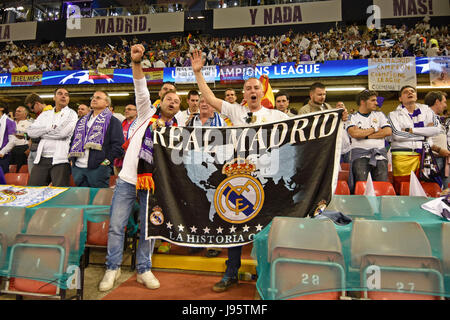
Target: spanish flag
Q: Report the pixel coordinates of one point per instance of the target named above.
(286, 41)
(268, 100)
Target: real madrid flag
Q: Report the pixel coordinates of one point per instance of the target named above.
(218, 187)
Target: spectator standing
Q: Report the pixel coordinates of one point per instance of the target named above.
(55, 128)
(36, 105)
(437, 101)
(136, 173)
(254, 113)
(96, 142)
(368, 129)
(412, 124)
(20, 151)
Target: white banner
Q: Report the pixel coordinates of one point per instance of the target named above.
(127, 25)
(186, 75)
(310, 12)
(412, 8)
(390, 74)
(440, 71)
(18, 31)
(16, 196)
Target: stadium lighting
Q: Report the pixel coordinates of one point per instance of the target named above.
(46, 96)
(433, 87)
(345, 88)
(119, 94)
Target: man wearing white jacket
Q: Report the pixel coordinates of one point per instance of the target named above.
(412, 124)
(55, 128)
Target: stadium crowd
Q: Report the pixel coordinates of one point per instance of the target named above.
(351, 42)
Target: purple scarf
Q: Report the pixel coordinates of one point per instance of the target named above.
(92, 139)
(146, 152)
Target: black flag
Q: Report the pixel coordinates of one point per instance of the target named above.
(218, 187)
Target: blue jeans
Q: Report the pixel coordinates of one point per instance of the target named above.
(234, 262)
(121, 207)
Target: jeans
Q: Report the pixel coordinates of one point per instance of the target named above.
(30, 161)
(361, 169)
(121, 207)
(94, 178)
(440, 161)
(234, 262)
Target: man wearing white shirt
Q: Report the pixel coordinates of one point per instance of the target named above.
(412, 124)
(368, 129)
(139, 154)
(55, 128)
(253, 113)
(193, 99)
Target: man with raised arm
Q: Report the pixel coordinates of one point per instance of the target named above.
(136, 175)
(239, 115)
(253, 113)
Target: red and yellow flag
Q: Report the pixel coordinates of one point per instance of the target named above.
(268, 100)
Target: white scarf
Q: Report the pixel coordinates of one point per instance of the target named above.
(2, 127)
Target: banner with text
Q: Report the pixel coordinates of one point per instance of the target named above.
(225, 74)
(186, 75)
(130, 25)
(218, 187)
(18, 31)
(439, 71)
(412, 8)
(275, 15)
(390, 74)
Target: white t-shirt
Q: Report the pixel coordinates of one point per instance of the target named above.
(367, 121)
(145, 111)
(239, 114)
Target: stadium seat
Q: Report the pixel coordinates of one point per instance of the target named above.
(345, 166)
(354, 205)
(12, 168)
(398, 255)
(382, 188)
(72, 197)
(112, 181)
(342, 188)
(446, 248)
(306, 260)
(103, 197)
(402, 207)
(72, 182)
(17, 179)
(39, 259)
(24, 169)
(343, 175)
(432, 189)
(12, 221)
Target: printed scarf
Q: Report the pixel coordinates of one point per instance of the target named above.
(92, 138)
(145, 164)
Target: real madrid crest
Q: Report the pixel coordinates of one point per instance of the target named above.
(156, 217)
(240, 197)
